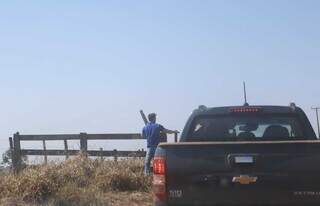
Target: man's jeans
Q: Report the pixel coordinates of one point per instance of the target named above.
(149, 157)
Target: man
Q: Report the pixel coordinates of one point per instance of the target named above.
(152, 133)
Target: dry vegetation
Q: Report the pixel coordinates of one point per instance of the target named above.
(80, 181)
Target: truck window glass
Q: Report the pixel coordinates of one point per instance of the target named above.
(248, 127)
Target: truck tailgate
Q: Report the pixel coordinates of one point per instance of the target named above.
(243, 173)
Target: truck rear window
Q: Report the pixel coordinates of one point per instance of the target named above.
(245, 127)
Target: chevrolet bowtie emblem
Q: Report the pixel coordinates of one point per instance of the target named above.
(244, 179)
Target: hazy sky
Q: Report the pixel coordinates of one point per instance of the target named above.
(73, 66)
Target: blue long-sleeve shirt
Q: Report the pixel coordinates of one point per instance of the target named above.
(151, 132)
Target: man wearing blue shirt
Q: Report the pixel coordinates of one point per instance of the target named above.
(152, 132)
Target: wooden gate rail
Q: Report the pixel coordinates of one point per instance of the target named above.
(17, 152)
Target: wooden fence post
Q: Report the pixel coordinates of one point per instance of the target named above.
(11, 149)
(142, 151)
(66, 148)
(16, 156)
(11, 143)
(83, 143)
(45, 151)
(115, 155)
(137, 155)
(101, 154)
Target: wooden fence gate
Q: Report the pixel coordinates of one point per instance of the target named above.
(17, 152)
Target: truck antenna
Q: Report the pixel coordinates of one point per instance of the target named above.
(245, 95)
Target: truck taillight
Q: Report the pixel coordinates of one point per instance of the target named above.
(159, 164)
(159, 179)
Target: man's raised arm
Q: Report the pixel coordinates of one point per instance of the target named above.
(168, 131)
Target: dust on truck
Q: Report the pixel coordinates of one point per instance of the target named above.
(241, 155)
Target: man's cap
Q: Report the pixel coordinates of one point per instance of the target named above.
(152, 116)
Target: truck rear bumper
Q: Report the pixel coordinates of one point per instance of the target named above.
(236, 204)
(246, 199)
(160, 204)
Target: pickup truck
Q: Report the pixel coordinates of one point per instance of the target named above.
(241, 155)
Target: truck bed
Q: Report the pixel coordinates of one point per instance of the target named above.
(204, 173)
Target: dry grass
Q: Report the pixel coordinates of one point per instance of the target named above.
(78, 181)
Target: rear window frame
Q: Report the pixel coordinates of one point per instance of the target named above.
(257, 114)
